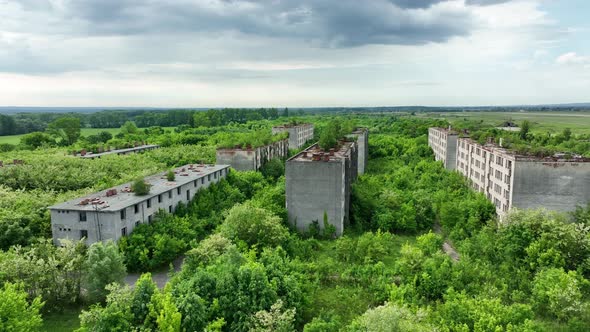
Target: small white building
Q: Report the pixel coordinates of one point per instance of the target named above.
(113, 213)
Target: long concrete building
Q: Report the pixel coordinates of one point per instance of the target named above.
(251, 159)
(136, 149)
(299, 134)
(510, 180)
(113, 213)
(318, 183)
(444, 145)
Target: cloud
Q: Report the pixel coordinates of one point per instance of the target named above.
(572, 58)
(485, 2)
(330, 23)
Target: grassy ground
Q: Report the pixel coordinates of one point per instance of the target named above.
(65, 321)
(578, 122)
(15, 139)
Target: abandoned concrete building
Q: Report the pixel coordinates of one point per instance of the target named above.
(113, 213)
(251, 159)
(318, 183)
(299, 134)
(136, 149)
(443, 142)
(511, 180)
(362, 140)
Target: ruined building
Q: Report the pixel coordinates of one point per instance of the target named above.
(252, 158)
(318, 183)
(113, 213)
(444, 145)
(298, 133)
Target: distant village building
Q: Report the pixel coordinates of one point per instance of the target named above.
(510, 180)
(299, 134)
(318, 183)
(509, 126)
(443, 142)
(251, 159)
(113, 213)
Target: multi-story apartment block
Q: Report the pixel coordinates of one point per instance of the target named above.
(362, 141)
(298, 133)
(113, 213)
(318, 183)
(510, 180)
(252, 158)
(444, 145)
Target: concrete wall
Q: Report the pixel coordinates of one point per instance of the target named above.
(313, 188)
(451, 159)
(252, 159)
(552, 185)
(298, 134)
(108, 225)
(362, 139)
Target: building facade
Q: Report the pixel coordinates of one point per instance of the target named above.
(298, 134)
(510, 180)
(444, 145)
(318, 184)
(113, 213)
(251, 159)
(362, 140)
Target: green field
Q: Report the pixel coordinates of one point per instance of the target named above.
(15, 139)
(578, 122)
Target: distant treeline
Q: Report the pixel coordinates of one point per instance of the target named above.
(23, 123)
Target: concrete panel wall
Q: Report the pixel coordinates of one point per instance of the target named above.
(313, 188)
(451, 159)
(252, 159)
(363, 149)
(552, 185)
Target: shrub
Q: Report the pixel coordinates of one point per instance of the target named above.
(170, 176)
(140, 187)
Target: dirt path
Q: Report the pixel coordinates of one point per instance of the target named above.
(447, 246)
(160, 277)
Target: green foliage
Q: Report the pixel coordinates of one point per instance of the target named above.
(274, 168)
(209, 250)
(104, 266)
(36, 140)
(525, 127)
(66, 128)
(559, 294)
(116, 315)
(170, 176)
(16, 313)
(254, 226)
(129, 128)
(145, 288)
(277, 319)
(391, 318)
(140, 187)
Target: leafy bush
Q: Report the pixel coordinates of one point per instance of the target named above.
(140, 187)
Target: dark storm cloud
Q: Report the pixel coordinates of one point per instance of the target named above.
(328, 23)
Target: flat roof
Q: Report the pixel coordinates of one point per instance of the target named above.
(292, 125)
(307, 155)
(125, 198)
(137, 148)
(557, 157)
(446, 130)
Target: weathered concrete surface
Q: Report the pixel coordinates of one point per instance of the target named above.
(558, 186)
(362, 136)
(317, 187)
(252, 159)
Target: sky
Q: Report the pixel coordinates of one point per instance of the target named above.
(293, 53)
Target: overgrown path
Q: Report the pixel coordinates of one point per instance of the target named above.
(160, 277)
(447, 246)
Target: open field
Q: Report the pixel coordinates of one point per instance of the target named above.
(578, 122)
(15, 139)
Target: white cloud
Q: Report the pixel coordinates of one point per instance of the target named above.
(572, 58)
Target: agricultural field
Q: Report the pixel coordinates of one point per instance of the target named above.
(541, 122)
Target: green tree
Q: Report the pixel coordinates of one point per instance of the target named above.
(65, 128)
(524, 130)
(114, 316)
(16, 313)
(277, 319)
(254, 226)
(104, 265)
(390, 318)
(129, 128)
(140, 187)
(170, 176)
(36, 139)
(567, 134)
(169, 318)
(558, 293)
(145, 288)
